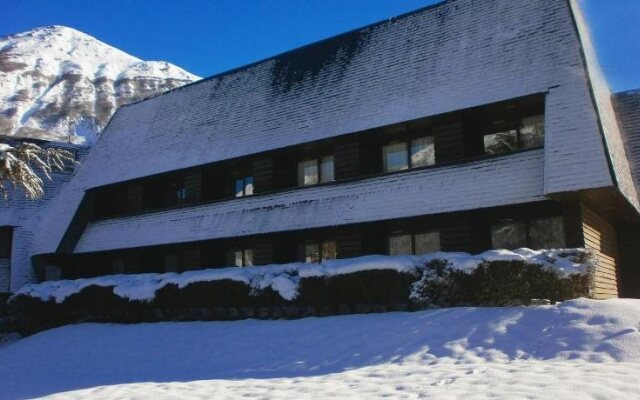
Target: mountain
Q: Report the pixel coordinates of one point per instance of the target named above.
(57, 83)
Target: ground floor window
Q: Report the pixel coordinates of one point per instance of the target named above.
(536, 233)
(319, 251)
(240, 257)
(418, 243)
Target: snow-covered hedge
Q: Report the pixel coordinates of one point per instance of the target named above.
(495, 277)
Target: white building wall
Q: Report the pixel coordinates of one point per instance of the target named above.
(512, 179)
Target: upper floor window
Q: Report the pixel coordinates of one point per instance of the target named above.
(316, 170)
(419, 243)
(240, 257)
(319, 251)
(504, 137)
(416, 153)
(244, 186)
(538, 233)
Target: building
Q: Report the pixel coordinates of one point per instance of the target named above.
(20, 218)
(459, 127)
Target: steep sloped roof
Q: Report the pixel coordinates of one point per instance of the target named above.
(458, 54)
(627, 106)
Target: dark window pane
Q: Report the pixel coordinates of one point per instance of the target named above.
(547, 233)
(171, 262)
(508, 235)
(400, 245)
(394, 157)
(427, 242)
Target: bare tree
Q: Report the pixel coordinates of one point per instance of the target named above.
(19, 163)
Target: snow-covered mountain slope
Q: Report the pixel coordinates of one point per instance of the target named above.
(580, 349)
(56, 81)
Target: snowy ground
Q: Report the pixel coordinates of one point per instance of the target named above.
(580, 349)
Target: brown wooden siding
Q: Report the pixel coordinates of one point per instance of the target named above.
(601, 237)
(262, 251)
(347, 158)
(449, 142)
(191, 258)
(349, 242)
(193, 185)
(262, 169)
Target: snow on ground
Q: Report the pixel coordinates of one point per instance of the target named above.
(284, 278)
(583, 349)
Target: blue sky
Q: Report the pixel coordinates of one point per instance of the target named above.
(211, 36)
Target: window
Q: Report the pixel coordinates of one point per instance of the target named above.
(547, 233)
(428, 242)
(6, 236)
(419, 243)
(395, 157)
(317, 170)
(240, 257)
(538, 233)
(416, 153)
(244, 186)
(319, 251)
(171, 262)
(509, 235)
(503, 139)
(422, 152)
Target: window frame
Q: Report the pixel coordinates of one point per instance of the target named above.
(527, 222)
(412, 235)
(245, 185)
(408, 148)
(320, 244)
(246, 253)
(318, 160)
(497, 125)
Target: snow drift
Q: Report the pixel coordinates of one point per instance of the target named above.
(577, 349)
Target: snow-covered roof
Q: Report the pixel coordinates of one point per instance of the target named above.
(452, 56)
(627, 106)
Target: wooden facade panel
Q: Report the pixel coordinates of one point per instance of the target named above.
(191, 257)
(262, 251)
(601, 238)
(348, 242)
(347, 158)
(449, 142)
(262, 169)
(193, 185)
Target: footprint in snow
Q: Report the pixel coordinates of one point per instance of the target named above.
(443, 382)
